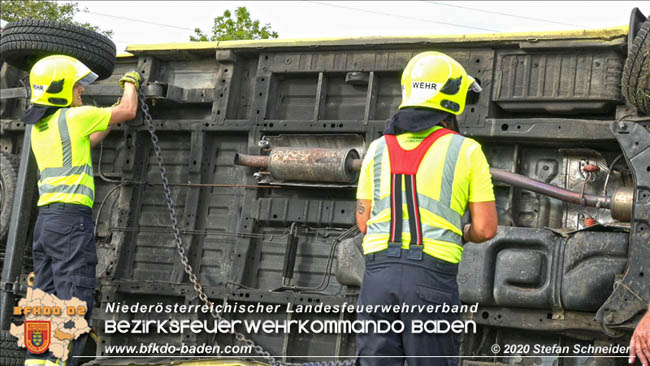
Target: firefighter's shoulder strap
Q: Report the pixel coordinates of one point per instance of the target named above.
(404, 165)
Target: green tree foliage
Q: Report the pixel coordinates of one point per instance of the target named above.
(13, 10)
(226, 28)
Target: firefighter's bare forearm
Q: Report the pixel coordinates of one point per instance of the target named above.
(128, 106)
(97, 137)
(484, 222)
(470, 234)
(363, 214)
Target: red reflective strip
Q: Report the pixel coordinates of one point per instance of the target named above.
(416, 209)
(408, 161)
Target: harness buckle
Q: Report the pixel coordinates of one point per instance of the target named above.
(394, 250)
(415, 253)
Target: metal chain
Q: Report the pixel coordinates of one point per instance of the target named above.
(146, 116)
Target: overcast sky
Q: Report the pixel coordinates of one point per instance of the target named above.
(137, 22)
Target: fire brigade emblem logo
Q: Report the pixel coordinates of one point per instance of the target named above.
(37, 336)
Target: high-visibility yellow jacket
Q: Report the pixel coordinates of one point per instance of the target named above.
(453, 172)
(61, 146)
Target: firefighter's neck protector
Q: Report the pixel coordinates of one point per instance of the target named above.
(37, 112)
(414, 120)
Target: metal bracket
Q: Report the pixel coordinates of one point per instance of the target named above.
(358, 78)
(10, 287)
(290, 255)
(13, 93)
(632, 292)
(155, 90)
(163, 91)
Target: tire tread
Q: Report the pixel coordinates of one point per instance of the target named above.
(12, 355)
(635, 83)
(25, 41)
(8, 174)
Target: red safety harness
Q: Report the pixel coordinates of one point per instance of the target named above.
(405, 163)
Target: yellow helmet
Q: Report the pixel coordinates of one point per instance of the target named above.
(52, 79)
(435, 80)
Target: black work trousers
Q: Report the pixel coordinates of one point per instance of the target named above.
(65, 258)
(397, 281)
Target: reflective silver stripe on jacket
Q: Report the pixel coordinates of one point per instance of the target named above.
(450, 169)
(430, 232)
(66, 144)
(427, 203)
(377, 166)
(67, 169)
(67, 188)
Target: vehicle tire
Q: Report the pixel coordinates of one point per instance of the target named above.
(635, 82)
(12, 355)
(8, 177)
(26, 41)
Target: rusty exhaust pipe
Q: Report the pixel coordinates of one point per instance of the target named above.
(621, 203)
(354, 164)
(307, 164)
(296, 164)
(253, 161)
(334, 165)
(562, 194)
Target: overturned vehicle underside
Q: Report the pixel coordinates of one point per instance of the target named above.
(261, 142)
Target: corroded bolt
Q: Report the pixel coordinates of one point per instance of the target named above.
(263, 143)
(591, 168)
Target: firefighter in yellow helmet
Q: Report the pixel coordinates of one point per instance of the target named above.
(415, 184)
(62, 134)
